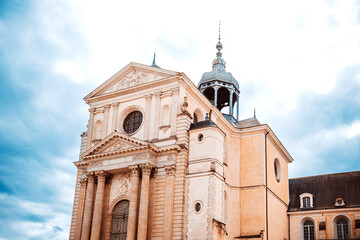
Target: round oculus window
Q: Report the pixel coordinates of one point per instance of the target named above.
(197, 207)
(132, 122)
(200, 137)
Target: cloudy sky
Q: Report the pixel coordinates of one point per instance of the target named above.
(297, 63)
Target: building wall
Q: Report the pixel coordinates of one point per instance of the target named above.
(327, 216)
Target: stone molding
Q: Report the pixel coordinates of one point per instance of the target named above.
(148, 96)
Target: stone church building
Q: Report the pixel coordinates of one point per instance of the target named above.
(165, 159)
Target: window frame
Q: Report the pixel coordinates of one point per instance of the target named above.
(305, 195)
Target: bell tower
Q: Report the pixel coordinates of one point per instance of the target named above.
(220, 87)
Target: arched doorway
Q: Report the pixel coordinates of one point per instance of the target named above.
(120, 220)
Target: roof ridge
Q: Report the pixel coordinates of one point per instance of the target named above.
(325, 174)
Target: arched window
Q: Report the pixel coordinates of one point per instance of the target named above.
(342, 229)
(120, 220)
(308, 228)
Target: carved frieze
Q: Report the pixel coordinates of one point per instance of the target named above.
(117, 146)
(134, 78)
(120, 186)
(144, 156)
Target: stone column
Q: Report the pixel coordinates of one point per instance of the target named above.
(231, 102)
(174, 107)
(144, 201)
(215, 95)
(104, 130)
(157, 115)
(96, 223)
(90, 128)
(81, 205)
(115, 107)
(86, 225)
(147, 116)
(133, 208)
(169, 206)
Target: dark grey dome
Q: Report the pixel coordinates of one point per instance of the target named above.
(220, 76)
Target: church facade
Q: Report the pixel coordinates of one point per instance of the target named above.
(165, 159)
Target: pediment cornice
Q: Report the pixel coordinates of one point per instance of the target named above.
(117, 144)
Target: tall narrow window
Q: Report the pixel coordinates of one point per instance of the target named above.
(309, 230)
(120, 220)
(342, 229)
(306, 202)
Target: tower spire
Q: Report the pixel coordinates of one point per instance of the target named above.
(219, 63)
(153, 63)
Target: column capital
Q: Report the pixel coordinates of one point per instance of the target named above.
(157, 94)
(107, 106)
(134, 170)
(115, 104)
(83, 182)
(92, 110)
(90, 176)
(146, 168)
(148, 97)
(170, 169)
(175, 91)
(101, 175)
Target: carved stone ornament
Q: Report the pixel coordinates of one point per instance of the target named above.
(170, 170)
(143, 156)
(120, 186)
(117, 146)
(165, 128)
(184, 106)
(134, 78)
(95, 164)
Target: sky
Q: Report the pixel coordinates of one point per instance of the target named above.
(297, 63)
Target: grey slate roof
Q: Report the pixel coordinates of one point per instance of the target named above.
(251, 122)
(326, 189)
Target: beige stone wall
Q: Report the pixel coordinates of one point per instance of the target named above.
(252, 211)
(327, 216)
(277, 218)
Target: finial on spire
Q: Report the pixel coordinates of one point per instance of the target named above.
(154, 64)
(219, 30)
(254, 112)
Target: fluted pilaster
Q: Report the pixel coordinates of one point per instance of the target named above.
(144, 201)
(85, 232)
(99, 199)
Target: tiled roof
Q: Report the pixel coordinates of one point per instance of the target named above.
(326, 189)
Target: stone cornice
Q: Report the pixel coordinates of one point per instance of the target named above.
(139, 146)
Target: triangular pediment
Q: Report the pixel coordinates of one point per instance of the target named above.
(133, 75)
(116, 143)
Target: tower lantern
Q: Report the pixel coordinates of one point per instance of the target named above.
(220, 87)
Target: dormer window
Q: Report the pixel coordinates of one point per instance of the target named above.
(306, 200)
(339, 202)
